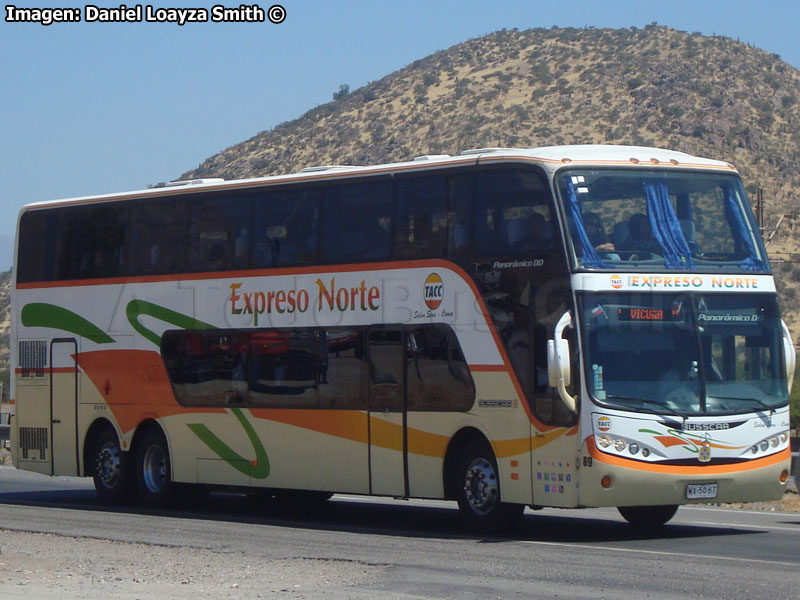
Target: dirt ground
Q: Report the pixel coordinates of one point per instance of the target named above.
(41, 566)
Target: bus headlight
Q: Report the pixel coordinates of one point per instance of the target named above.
(604, 441)
(633, 448)
(619, 445)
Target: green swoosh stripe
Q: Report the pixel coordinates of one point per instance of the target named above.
(40, 314)
(258, 469)
(137, 308)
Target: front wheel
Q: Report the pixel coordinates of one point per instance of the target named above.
(478, 493)
(112, 471)
(154, 470)
(648, 517)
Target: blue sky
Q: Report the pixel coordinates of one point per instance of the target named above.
(91, 108)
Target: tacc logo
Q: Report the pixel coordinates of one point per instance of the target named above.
(616, 282)
(434, 291)
(603, 423)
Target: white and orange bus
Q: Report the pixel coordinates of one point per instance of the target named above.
(564, 326)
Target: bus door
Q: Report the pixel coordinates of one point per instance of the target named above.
(64, 407)
(388, 458)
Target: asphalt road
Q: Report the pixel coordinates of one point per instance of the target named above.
(705, 552)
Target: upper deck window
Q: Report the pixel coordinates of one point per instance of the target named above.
(641, 219)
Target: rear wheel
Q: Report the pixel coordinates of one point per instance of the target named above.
(112, 471)
(478, 491)
(648, 517)
(154, 470)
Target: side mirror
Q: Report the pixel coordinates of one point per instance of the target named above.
(558, 367)
(558, 362)
(789, 355)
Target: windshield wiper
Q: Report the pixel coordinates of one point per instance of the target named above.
(648, 401)
(763, 405)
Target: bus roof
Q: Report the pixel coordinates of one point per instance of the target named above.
(551, 158)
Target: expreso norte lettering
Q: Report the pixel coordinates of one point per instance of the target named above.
(329, 297)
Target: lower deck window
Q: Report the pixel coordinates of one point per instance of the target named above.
(316, 367)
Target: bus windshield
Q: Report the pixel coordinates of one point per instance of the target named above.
(648, 219)
(688, 354)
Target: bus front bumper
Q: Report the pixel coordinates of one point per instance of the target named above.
(608, 480)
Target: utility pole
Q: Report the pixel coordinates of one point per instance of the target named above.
(760, 210)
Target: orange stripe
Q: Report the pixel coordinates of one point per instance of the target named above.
(748, 465)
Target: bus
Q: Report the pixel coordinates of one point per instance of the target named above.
(567, 326)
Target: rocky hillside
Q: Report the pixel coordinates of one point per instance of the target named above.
(711, 96)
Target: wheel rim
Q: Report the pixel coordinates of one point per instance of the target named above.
(480, 486)
(154, 469)
(109, 465)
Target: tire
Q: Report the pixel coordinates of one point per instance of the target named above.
(154, 470)
(112, 469)
(478, 491)
(648, 517)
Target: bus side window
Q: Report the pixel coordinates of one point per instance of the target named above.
(437, 373)
(286, 227)
(357, 220)
(159, 236)
(219, 233)
(421, 223)
(512, 217)
(460, 192)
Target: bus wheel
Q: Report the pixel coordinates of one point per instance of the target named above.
(648, 517)
(111, 468)
(478, 491)
(153, 469)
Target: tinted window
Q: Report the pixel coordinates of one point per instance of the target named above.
(220, 233)
(286, 228)
(438, 375)
(319, 367)
(459, 215)
(159, 236)
(91, 242)
(37, 237)
(421, 226)
(512, 215)
(357, 222)
(343, 369)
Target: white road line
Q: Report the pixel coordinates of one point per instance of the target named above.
(662, 553)
(739, 525)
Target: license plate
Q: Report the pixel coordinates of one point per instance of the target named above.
(701, 490)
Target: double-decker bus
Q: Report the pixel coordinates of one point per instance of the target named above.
(573, 326)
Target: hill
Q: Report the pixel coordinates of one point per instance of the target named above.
(709, 96)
